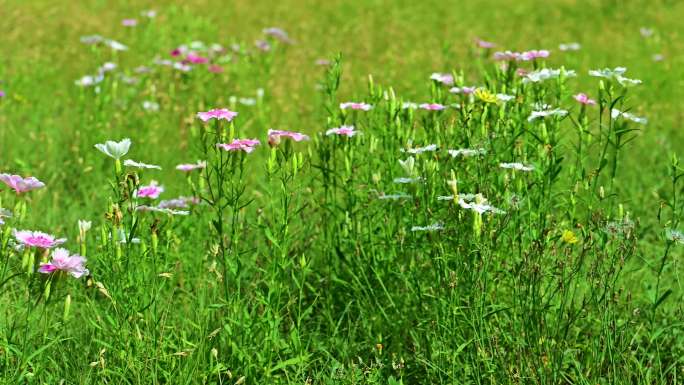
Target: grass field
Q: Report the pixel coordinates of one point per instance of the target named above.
(508, 233)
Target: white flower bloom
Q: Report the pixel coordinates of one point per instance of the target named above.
(569, 47)
(615, 113)
(646, 32)
(84, 226)
(445, 198)
(411, 105)
(420, 150)
(433, 227)
(407, 180)
(106, 67)
(150, 14)
(115, 149)
(247, 101)
(504, 97)
(150, 106)
(545, 113)
(394, 196)
(88, 80)
(617, 74)
(132, 163)
(478, 204)
(161, 210)
(466, 152)
(674, 236)
(517, 166)
(547, 73)
(115, 45)
(91, 39)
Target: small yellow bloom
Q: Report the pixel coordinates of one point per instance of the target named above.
(569, 237)
(486, 96)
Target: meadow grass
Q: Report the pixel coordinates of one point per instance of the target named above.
(504, 234)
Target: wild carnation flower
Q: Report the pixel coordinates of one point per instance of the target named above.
(432, 106)
(446, 79)
(465, 90)
(168, 211)
(215, 68)
(614, 113)
(151, 191)
(279, 34)
(409, 105)
(507, 56)
(407, 180)
(477, 203)
(433, 227)
(582, 98)
(218, 114)
(4, 213)
(2, 94)
(62, 261)
(484, 44)
(263, 45)
(129, 22)
(323, 62)
(150, 106)
(246, 145)
(355, 106)
(616, 74)
(674, 236)
(115, 45)
(534, 54)
(420, 150)
(517, 166)
(37, 239)
(196, 59)
(19, 184)
(504, 97)
(343, 131)
(547, 73)
(569, 47)
(115, 149)
(178, 203)
(132, 163)
(275, 135)
(547, 112)
(394, 196)
(646, 32)
(187, 167)
(466, 152)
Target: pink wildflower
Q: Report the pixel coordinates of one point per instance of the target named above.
(195, 59)
(507, 56)
(263, 45)
(62, 261)
(275, 135)
(279, 34)
(218, 113)
(534, 54)
(37, 239)
(432, 106)
(484, 44)
(584, 99)
(215, 68)
(246, 145)
(323, 62)
(129, 22)
(187, 167)
(348, 131)
(446, 79)
(20, 184)
(355, 106)
(465, 90)
(152, 191)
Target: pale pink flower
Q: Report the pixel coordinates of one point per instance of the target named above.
(62, 261)
(275, 135)
(217, 113)
(263, 45)
(37, 239)
(446, 79)
(432, 106)
(507, 56)
(584, 99)
(348, 131)
(20, 184)
(355, 106)
(152, 191)
(323, 62)
(484, 44)
(187, 167)
(246, 145)
(215, 68)
(129, 22)
(534, 54)
(465, 90)
(279, 34)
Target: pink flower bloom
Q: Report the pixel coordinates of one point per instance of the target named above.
(355, 106)
(2, 94)
(432, 106)
(129, 22)
(217, 113)
(37, 239)
(187, 167)
(446, 79)
(507, 56)
(584, 99)
(152, 191)
(278, 34)
(215, 68)
(263, 45)
(484, 44)
(20, 184)
(348, 131)
(275, 135)
(534, 54)
(196, 59)
(465, 90)
(62, 261)
(522, 72)
(323, 62)
(246, 145)
(176, 52)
